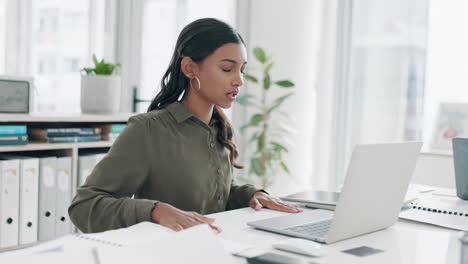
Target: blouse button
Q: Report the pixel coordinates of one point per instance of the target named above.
(219, 171)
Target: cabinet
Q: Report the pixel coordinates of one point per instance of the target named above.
(72, 150)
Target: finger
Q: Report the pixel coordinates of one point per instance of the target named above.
(188, 222)
(176, 227)
(205, 219)
(291, 206)
(215, 228)
(256, 205)
(281, 207)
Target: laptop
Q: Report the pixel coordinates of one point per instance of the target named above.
(376, 182)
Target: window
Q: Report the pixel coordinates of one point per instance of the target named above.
(2, 35)
(51, 40)
(162, 22)
(383, 86)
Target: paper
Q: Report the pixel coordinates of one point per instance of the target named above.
(82, 257)
(443, 211)
(141, 233)
(194, 245)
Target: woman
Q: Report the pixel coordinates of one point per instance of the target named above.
(178, 158)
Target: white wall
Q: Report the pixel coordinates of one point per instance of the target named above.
(288, 30)
(434, 169)
(447, 58)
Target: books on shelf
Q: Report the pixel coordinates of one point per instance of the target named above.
(63, 132)
(8, 130)
(68, 139)
(11, 135)
(112, 128)
(13, 140)
(65, 135)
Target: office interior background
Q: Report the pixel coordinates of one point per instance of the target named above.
(365, 70)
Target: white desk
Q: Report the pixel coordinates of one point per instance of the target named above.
(405, 242)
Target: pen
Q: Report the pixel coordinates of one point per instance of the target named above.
(95, 255)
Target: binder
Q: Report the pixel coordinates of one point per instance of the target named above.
(47, 196)
(9, 202)
(86, 164)
(28, 197)
(63, 175)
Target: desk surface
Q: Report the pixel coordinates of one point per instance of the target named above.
(405, 242)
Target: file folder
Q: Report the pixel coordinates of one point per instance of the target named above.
(62, 221)
(47, 196)
(29, 200)
(86, 164)
(28, 197)
(9, 202)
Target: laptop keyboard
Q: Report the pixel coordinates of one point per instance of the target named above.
(317, 229)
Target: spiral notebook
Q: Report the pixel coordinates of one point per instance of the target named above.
(142, 243)
(450, 212)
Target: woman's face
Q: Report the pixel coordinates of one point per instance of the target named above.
(221, 74)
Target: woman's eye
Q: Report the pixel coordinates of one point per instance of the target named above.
(226, 70)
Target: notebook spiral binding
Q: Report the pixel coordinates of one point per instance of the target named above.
(101, 241)
(415, 205)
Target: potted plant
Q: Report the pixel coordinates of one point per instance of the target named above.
(100, 89)
(268, 135)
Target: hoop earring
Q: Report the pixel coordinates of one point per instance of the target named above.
(198, 81)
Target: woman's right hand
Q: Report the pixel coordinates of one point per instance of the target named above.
(176, 219)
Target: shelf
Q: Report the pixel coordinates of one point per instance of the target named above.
(50, 146)
(70, 118)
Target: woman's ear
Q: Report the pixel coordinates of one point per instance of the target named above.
(189, 67)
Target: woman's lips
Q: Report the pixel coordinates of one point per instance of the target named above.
(231, 96)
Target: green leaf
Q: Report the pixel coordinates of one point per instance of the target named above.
(253, 137)
(278, 102)
(266, 81)
(95, 60)
(244, 99)
(285, 83)
(102, 67)
(257, 167)
(88, 71)
(268, 67)
(260, 54)
(278, 146)
(256, 119)
(250, 78)
(285, 168)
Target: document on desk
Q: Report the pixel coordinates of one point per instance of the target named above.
(450, 212)
(194, 245)
(50, 258)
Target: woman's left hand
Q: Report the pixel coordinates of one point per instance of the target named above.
(261, 199)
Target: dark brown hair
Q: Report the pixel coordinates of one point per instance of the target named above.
(198, 40)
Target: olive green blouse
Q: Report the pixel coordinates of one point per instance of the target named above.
(166, 155)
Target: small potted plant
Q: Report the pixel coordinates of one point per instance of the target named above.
(100, 88)
(268, 125)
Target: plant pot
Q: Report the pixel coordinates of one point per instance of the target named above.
(100, 94)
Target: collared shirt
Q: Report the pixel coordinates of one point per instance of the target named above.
(166, 155)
